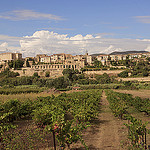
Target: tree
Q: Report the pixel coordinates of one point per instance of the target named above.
(60, 83)
(74, 77)
(123, 74)
(16, 64)
(68, 71)
(47, 74)
(69, 74)
(27, 63)
(103, 79)
(145, 73)
(97, 64)
(7, 73)
(148, 58)
(127, 83)
(35, 75)
(113, 63)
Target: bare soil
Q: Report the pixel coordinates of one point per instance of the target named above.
(136, 79)
(140, 93)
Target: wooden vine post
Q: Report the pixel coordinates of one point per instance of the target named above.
(54, 141)
(145, 139)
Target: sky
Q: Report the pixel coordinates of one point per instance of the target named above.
(74, 26)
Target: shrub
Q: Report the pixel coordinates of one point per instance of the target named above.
(35, 74)
(145, 73)
(123, 74)
(14, 107)
(47, 74)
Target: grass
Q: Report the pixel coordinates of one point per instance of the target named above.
(26, 86)
(23, 97)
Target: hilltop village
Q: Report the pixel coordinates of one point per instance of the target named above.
(56, 63)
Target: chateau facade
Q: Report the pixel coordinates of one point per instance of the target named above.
(56, 63)
(10, 56)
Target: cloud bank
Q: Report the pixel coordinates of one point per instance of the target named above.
(46, 42)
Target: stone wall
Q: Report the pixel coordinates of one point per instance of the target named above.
(57, 72)
(110, 72)
(29, 72)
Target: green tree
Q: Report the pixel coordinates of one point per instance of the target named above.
(60, 83)
(123, 74)
(97, 64)
(27, 63)
(47, 74)
(127, 83)
(103, 79)
(35, 75)
(69, 74)
(7, 73)
(145, 73)
(16, 64)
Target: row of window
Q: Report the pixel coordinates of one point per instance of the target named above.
(53, 66)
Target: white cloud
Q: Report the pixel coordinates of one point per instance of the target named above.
(143, 19)
(148, 49)
(144, 40)
(9, 38)
(47, 35)
(17, 15)
(4, 45)
(46, 42)
(111, 49)
(97, 37)
(79, 37)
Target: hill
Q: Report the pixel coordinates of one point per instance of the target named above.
(119, 53)
(127, 52)
(94, 55)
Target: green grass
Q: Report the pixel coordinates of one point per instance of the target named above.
(26, 86)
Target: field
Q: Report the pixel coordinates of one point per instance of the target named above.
(140, 93)
(106, 131)
(31, 96)
(137, 79)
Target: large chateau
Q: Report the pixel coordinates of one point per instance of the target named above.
(56, 63)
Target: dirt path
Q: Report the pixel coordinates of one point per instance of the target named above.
(107, 132)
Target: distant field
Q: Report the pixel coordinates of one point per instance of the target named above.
(140, 93)
(114, 72)
(137, 79)
(25, 96)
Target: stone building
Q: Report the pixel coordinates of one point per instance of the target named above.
(38, 57)
(10, 56)
(46, 59)
(56, 70)
(116, 57)
(7, 57)
(103, 58)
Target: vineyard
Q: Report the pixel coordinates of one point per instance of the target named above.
(120, 104)
(68, 121)
(64, 116)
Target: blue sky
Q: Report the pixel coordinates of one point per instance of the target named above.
(110, 22)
